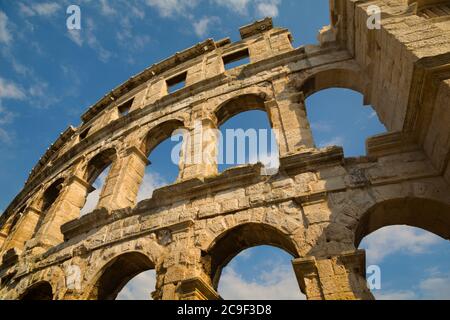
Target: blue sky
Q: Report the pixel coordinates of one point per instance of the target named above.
(49, 77)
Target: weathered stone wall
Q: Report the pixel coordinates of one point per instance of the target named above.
(318, 207)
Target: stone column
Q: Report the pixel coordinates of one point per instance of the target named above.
(198, 158)
(122, 184)
(66, 208)
(289, 120)
(24, 231)
(182, 274)
(338, 278)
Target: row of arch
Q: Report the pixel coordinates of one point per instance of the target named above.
(250, 100)
(427, 214)
(158, 134)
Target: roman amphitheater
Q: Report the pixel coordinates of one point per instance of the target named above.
(318, 207)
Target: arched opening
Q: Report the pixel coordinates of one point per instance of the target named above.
(11, 222)
(260, 273)
(270, 253)
(339, 118)
(9, 230)
(246, 134)
(140, 287)
(40, 291)
(51, 194)
(338, 113)
(49, 197)
(117, 273)
(430, 215)
(163, 155)
(407, 249)
(97, 172)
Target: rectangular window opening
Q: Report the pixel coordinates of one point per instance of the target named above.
(176, 83)
(236, 59)
(124, 108)
(84, 134)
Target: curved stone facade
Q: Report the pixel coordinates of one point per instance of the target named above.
(319, 205)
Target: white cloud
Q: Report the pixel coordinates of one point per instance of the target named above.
(322, 126)
(372, 115)
(38, 89)
(151, 182)
(127, 39)
(237, 6)
(397, 239)
(106, 9)
(267, 8)
(137, 12)
(5, 136)
(437, 287)
(41, 98)
(87, 35)
(263, 8)
(9, 90)
(395, 295)
(103, 54)
(26, 10)
(139, 288)
(336, 141)
(45, 9)
(5, 34)
(5, 115)
(201, 27)
(168, 8)
(75, 36)
(278, 284)
(434, 287)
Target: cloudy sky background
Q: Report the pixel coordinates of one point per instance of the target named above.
(50, 76)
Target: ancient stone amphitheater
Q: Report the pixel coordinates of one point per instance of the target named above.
(318, 207)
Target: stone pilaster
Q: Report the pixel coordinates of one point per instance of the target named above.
(289, 121)
(66, 208)
(336, 278)
(122, 185)
(198, 158)
(24, 231)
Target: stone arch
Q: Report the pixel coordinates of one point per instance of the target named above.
(50, 194)
(39, 291)
(333, 77)
(158, 134)
(11, 227)
(11, 222)
(47, 199)
(351, 81)
(147, 142)
(424, 213)
(238, 104)
(116, 273)
(95, 167)
(241, 237)
(98, 163)
(52, 277)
